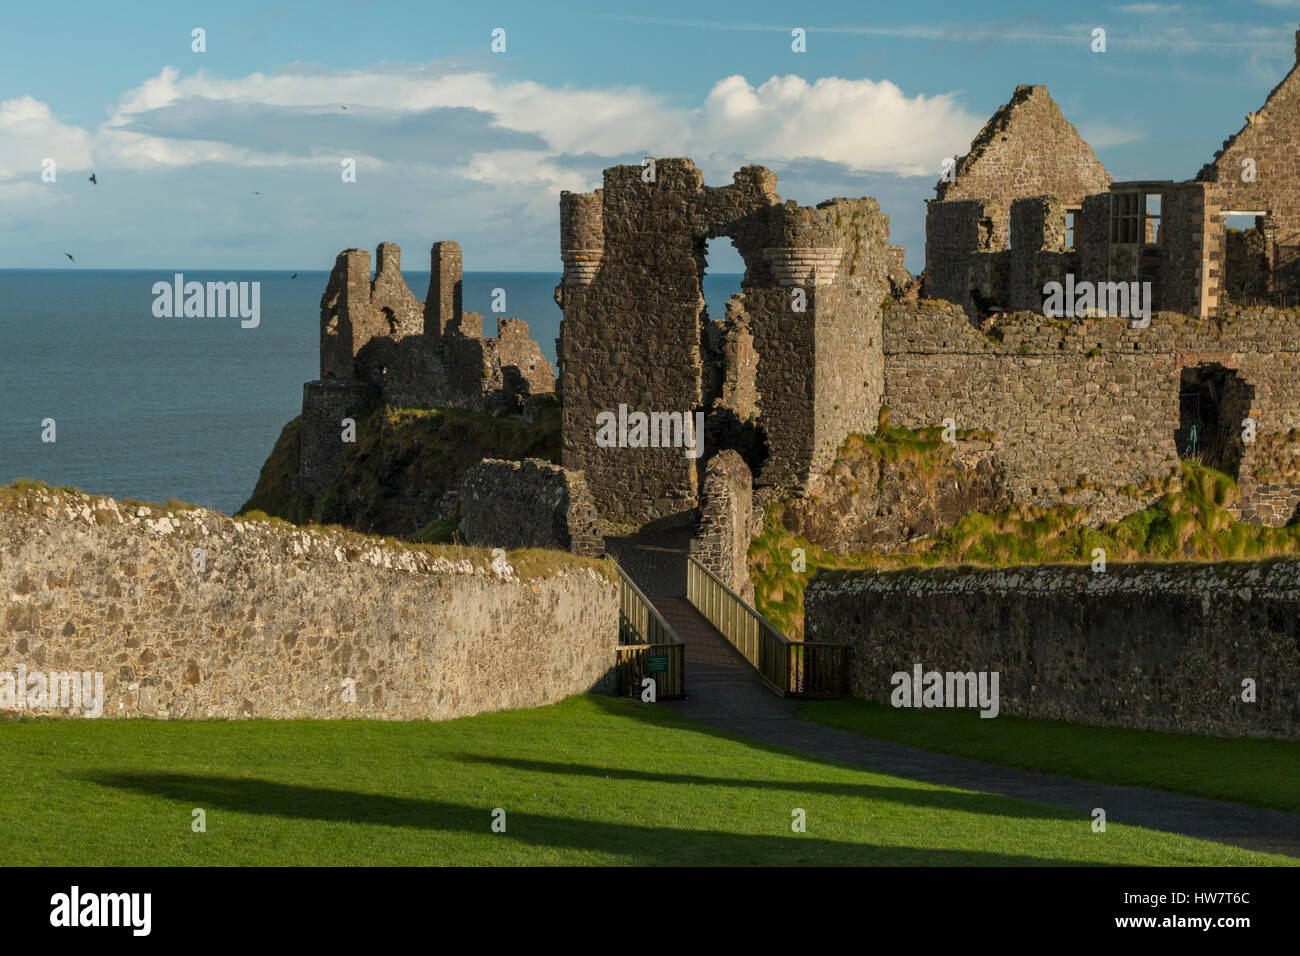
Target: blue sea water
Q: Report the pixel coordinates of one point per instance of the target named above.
(154, 408)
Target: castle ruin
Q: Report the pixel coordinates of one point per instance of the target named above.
(1031, 204)
(380, 345)
(828, 334)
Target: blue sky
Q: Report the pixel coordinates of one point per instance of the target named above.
(453, 141)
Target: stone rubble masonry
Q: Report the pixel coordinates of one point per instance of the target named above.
(1160, 647)
(528, 504)
(1270, 138)
(726, 526)
(636, 330)
(281, 616)
(1094, 399)
(1029, 150)
(379, 344)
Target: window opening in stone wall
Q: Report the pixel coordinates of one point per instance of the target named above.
(1246, 266)
(1151, 228)
(1071, 220)
(1125, 217)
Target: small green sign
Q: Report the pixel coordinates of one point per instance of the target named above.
(658, 663)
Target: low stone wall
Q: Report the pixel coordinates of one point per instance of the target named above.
(276, 621)
(528, 504)
(1157, 647)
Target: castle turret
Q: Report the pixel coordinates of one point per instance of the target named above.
(582, 239)
(442, 306)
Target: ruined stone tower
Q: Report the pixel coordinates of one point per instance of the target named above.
(379, 344)
(799, 358)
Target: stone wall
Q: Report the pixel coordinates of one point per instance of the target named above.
(721, 542)
(279, 617)
(1084, 412)
(379, 344)
(1027, 148)
(1271, 141)
(1154, 647)
(528, 504)
(801, 344)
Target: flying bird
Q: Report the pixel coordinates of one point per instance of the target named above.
(294, 276)
(256, 193)
(69, 255)
(93, 180)
(342, 107)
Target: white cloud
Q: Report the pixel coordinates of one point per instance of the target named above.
(29, 133)
(863, 124)
(484, 154)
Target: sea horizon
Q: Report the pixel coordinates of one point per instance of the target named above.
(155, 408)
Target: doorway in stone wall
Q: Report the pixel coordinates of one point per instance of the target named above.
(729, 361)
(1212, 401)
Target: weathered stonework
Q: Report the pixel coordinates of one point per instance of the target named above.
(1091, 399)
(379, 344)
(279, 617)
(1171, 234)
(1153, 647)
(726, 526)
(528, 504)
(798, 361)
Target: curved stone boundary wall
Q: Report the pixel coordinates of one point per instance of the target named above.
(1150, 646)
(281, 617)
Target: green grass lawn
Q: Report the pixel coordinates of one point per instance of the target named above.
(1265, 773)
(590, 780)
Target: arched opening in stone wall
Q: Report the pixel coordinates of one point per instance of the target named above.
(1212, 401)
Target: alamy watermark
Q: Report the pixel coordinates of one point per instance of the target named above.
(211, 300)
(651, 430)
(949, 689)
(39, 690)
(1129, 300)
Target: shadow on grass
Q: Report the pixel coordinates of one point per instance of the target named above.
(964, 801)
(638, 844)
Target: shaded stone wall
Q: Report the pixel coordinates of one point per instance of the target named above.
(721, 542)
(1153, 647)
(959, 238)
(325, 404)
(1190, 252)
(1095, 399)
(634, 332)
(280, 617)
(632, 327)
(1038, 227)
(528, 504)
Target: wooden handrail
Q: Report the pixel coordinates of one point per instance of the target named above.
(791, 668)
(638, 618)
(642, 633)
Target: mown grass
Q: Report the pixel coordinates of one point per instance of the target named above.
(587, 781)
(1264, 773)
(1192, 523)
